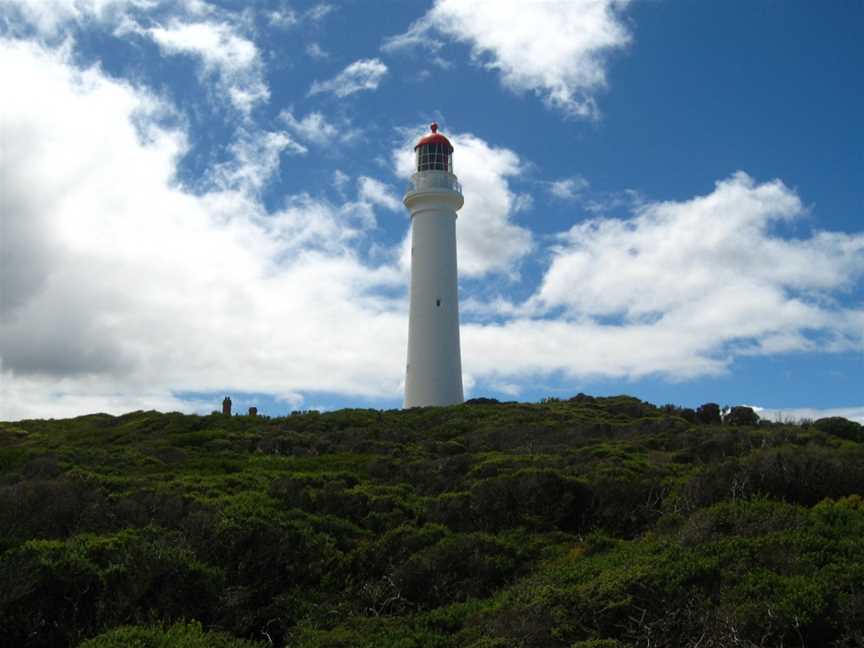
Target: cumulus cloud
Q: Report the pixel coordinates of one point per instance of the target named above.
(318, 12)
(125, 284)
(557, 49)
(681, 289)
(223, 52)
(581, 349)
(283, 18)
(49, 17)
(121, 288)
(487, 238)
(195, 28)
(377, 193)
(810, 413)
(568, 188)
(340, 179)
(315, 128)
(315, 51)
(255, 157)
(673, 256)
(365, 74)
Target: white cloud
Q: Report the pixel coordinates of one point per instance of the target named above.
(524, 348)
(681, 290)
(320, 11)
(255, 159)
(797, 414)
(523, 203)
(556, 48)
(365, 74)
(487, 238)
(716, 250)
(189, 7)
(315, 51)
(568, 188)
(315, 128)
(49, 17)
(286, 17)
(233, 58)
(340, 179)
(122, 288)
(127, 290)
(224, 53)
(376, 192)
(605, 204)
(283, 18)
(510, 389)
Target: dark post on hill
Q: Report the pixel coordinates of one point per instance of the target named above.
(226, 406)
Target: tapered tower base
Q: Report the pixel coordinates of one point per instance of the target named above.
(434, 371)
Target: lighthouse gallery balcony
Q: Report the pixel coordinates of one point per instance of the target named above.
(434, 181)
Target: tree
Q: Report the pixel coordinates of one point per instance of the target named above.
(708, 413)
(741, 415)
(841, 427)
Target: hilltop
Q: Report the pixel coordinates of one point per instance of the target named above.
(589, 522)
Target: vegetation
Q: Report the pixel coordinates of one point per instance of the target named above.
(589, 522)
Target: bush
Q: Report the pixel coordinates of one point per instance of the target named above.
(53, 593)
(708, 414)
(841, 427)
(538, 499)
(40, 509)
(453, 510)
(456, 568)
(799, 475)
(624, 501)
(490, 525)
(268, 555)
(180, 635)
(740, 415)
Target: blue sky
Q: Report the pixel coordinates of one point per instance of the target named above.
(662, 199)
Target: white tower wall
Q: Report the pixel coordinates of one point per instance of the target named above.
(434, 371)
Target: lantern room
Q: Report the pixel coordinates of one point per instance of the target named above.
(434, 152)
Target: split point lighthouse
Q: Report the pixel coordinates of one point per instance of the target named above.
(434, 371)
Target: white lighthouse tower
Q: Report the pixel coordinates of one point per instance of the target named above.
(434, 372)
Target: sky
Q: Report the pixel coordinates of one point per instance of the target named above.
(201, 197)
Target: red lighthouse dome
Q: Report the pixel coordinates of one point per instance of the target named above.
(434, 138)
(434, 152)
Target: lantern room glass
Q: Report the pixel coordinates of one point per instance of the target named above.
(435, 157)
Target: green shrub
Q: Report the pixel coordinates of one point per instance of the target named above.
(538, 499)
(456, 568)
(708, 414)
(70, 589)
(267, 555)
(841, 427)
(490, 525)
(801, 475)
(180, 635)
(740, 415)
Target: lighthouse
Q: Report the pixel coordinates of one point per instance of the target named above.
(434, 371)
